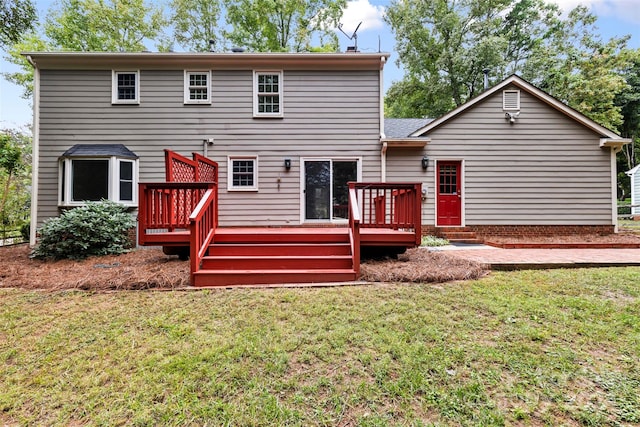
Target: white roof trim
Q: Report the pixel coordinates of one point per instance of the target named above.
(538, 93)
(614, 142)
(633, 171)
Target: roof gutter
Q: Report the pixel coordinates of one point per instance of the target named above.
(35, 158)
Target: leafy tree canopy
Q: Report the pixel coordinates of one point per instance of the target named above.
(195, 23)
(103, 25)
(444, 45)
(16, 18)
(283, 25)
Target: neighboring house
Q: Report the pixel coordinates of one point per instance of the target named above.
(289, 130)
(513, 160)
(634, 175)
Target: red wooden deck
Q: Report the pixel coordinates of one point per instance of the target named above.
(184, 213)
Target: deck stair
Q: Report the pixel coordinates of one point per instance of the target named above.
(246, 256)
(459, 235)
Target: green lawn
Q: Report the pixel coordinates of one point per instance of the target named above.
(523, 348)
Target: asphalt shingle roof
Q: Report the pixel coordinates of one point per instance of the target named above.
(402, 128)
(99, 150)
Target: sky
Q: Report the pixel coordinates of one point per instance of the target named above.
(615, 18)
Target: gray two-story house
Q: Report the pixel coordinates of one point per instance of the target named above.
(288, 131)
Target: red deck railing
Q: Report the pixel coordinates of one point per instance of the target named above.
(354, 227)
(168, 206)
(395, 206)
(203, 224)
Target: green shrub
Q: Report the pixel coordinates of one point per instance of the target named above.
(98, 228)
(433, 241)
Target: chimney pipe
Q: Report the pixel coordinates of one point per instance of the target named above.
(485, 71)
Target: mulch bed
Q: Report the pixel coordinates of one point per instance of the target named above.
(152, 269)
(420, 265)
(139, 269)
(590, 241)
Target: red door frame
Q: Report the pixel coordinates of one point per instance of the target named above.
(449, 193)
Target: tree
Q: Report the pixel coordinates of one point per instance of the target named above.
(444, 46)
(103, 25)
(195, 23)
(30, 43)
(88, 25)
(283, 25)
(575, 66)
(16, 18)
(14, 177)
(629, 103)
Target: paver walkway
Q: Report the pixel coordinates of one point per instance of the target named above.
(522, 259)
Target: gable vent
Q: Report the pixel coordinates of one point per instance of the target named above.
(511, 100)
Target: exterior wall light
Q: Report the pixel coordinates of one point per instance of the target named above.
(287, 164)
(425, 162)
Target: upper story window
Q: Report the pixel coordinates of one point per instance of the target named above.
(267, 94)
(95, 172)
(197, 87)
(125, 88)
(242, 173)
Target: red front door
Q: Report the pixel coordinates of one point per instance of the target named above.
(449, 194)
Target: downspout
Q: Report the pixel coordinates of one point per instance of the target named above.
(614, 188)
(383, 151)
(383, 162)
(35, 148)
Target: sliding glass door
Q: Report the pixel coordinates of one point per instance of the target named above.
(326, 193)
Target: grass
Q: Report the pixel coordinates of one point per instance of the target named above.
(629, 225)
(557, 347)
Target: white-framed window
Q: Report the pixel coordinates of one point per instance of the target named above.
(125, 87)
(511, 100)
(197, 87)
(267, 94)
(242, 173)
(96, 172)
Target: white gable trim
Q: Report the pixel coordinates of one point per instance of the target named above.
(633, 171)
(528, 87)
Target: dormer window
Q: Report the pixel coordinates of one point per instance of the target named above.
(511, 100)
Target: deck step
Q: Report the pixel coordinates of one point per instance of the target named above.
(459, 235)
(279, 235)
(273, 262)
(213, 278)
(280, 249)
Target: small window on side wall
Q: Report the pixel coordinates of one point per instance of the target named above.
(267, 94)
(125, 88)
(197, 87)
(242, 173)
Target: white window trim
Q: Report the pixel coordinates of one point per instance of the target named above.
(114, 87)
(505, 107)
(230, 186)
(187, 99)
(257, 73)
(113, 191)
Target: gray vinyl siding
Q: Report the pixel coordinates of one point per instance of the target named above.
(545, 169)
(326, 114)
(635, 188)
